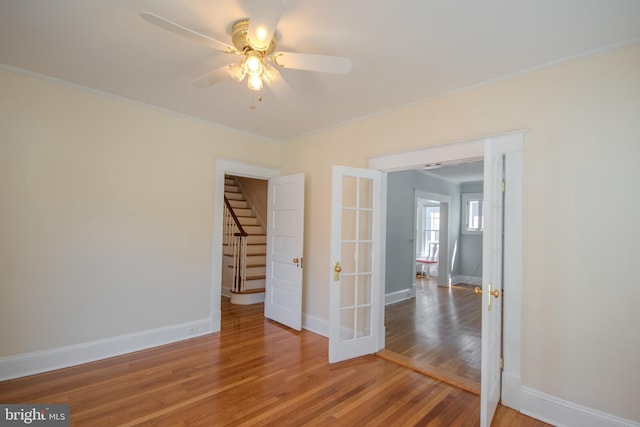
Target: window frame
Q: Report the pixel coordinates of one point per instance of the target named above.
(465, 199)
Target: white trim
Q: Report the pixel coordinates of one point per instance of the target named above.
(469, 280)
(417, 159)
(382, 330)
(63, 357)
(398, 296)
(513, 277)
(315, 324)
(222, 167)
(558, 412)
(226, 292)
(511, 386)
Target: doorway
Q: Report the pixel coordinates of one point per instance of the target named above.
(226, 167)
(437, 330)
(511, 147)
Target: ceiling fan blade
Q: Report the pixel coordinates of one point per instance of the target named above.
(186, 32)
(309, 62)
(211, 78)
(283, 90)
(263, 20)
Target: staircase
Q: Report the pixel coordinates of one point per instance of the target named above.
(244, 248)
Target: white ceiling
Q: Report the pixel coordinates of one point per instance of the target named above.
(402, 52)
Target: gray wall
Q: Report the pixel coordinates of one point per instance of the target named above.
(470, 244)
(400, 246)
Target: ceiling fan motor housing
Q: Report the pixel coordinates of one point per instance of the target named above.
(239, 38)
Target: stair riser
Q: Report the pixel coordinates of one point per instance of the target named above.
(256, 239)
(256, 249)
(254, 229)
(242, 204)
(243, 212)
(255, 284)
(234, 196)
(256, 271)
(231, 188)
(245, 220)
(256, 259)
(251, 259)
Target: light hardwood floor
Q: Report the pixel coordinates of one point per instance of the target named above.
(253, 373)
(438, 333)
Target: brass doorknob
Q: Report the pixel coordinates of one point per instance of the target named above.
(478, 291)
(336, 271)
(296, 260)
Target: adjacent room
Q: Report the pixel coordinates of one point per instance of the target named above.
(432, 314)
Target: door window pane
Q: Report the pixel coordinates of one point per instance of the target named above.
(349, 191)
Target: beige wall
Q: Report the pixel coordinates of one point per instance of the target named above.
(106, 214)
(581, 294)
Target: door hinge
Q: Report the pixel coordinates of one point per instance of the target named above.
(504, 186)
(501, 363)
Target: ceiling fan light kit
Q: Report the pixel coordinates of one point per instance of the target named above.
(254, 65)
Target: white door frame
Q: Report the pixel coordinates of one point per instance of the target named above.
(511, 143)
(230, 167)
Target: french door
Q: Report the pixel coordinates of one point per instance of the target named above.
(355, 293)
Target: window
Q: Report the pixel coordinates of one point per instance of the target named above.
(428, 226)
(473, 219)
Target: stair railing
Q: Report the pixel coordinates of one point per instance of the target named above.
(235, 237)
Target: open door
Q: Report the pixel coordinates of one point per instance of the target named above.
(355, 263)
(285, 226)
(492, 273)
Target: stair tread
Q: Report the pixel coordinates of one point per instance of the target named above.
(259, 277)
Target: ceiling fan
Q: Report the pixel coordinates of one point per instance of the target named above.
(254, 40)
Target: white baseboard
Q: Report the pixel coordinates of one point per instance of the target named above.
(561, 413)
(246, 299)
(315, 324)
(511, 386)
(48, 360)
(399, 295)
(471, 280)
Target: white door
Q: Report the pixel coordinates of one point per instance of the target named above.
(355, 263)
(492, 241)
(285, 226)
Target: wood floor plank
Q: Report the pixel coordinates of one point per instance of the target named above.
(254, 372)
(437, 333)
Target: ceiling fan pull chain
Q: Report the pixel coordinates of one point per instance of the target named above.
(253, 100)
